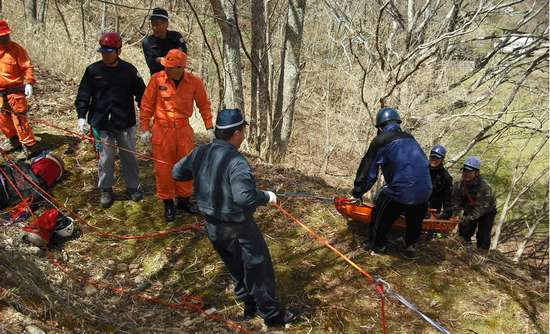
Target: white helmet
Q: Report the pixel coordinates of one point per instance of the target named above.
(65, 226)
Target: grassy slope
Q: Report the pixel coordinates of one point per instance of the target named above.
(462, 289)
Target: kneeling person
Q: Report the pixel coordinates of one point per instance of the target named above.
(226, 195)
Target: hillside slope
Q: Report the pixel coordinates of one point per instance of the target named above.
(466, 291)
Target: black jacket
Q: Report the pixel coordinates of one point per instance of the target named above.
(154, 47)
(106, 95)
(442, 187)
(222, 180)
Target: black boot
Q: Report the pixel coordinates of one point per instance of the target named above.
(283, 318)
(169, 210)
(15, 144)
(250, 310)
(185, 204)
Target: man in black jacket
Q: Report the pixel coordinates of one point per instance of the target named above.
(226, 195)
(105, 101)
(161, 41)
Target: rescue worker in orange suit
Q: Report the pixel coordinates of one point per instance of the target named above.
(16, 81)
(168, 100)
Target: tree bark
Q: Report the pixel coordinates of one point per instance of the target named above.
(225, 17)
(289, 78)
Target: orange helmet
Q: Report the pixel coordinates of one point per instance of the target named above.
(4, 28)
(109, 42)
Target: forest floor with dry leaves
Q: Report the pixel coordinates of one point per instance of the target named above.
(103, 279)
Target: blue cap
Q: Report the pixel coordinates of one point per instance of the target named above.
(472, 163)
(230, 118)
(159, 13)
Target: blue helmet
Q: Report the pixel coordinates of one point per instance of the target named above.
(472, 163)
(386, 115)
(438, 151)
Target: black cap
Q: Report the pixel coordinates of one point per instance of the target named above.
(230, 118)
(159, 13)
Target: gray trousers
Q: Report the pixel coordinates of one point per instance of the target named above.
(125, 139)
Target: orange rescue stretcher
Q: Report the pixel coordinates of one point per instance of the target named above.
(363, 213)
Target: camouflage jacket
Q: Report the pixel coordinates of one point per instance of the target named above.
(475, 199)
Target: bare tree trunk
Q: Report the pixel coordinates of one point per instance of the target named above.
(289, 78)
(62, 19)
(117, 17)
(225, 16)
(260, 103)
(103, 16)
(531, 231)
(30, 12)
(83, 24)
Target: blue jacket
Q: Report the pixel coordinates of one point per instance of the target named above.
(403, 163)
(223, 182)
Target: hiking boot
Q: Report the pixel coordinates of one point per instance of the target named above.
(249, 310)
(410, 252)
(185, 204)
(169, 210)
(281, 319)
(135, 194)
(106, 199)
(369, 246)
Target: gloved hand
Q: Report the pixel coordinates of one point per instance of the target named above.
(272, 197)
(211, 134)
(83, 126)
(28, 90)
(356, 199)
(146, 137)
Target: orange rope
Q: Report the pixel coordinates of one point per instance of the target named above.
(193, 303)
(91, 139)
(379, 288)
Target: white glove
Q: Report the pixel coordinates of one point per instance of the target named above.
(146, 137)
(83, 126)
(272, 197)
(28, 90)
(211, 134)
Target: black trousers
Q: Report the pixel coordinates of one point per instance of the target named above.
(484, 224)
(386, 211)
(246, 256)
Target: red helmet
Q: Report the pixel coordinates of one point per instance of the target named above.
(110, 40)
(4, 28)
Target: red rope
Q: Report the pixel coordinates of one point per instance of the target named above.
(192, 303)
(377, 286)
(196, 226)
(92, 140)
(25, 203)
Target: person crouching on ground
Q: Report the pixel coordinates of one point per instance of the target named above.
(168, 100)
(442, 183)
(475, 197)
(106, 97)
(226, 193)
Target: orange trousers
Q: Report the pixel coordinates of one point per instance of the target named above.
(171, 141)
(13, 118)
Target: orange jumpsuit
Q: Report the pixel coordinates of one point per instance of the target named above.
(172, 135)
(15, 70)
